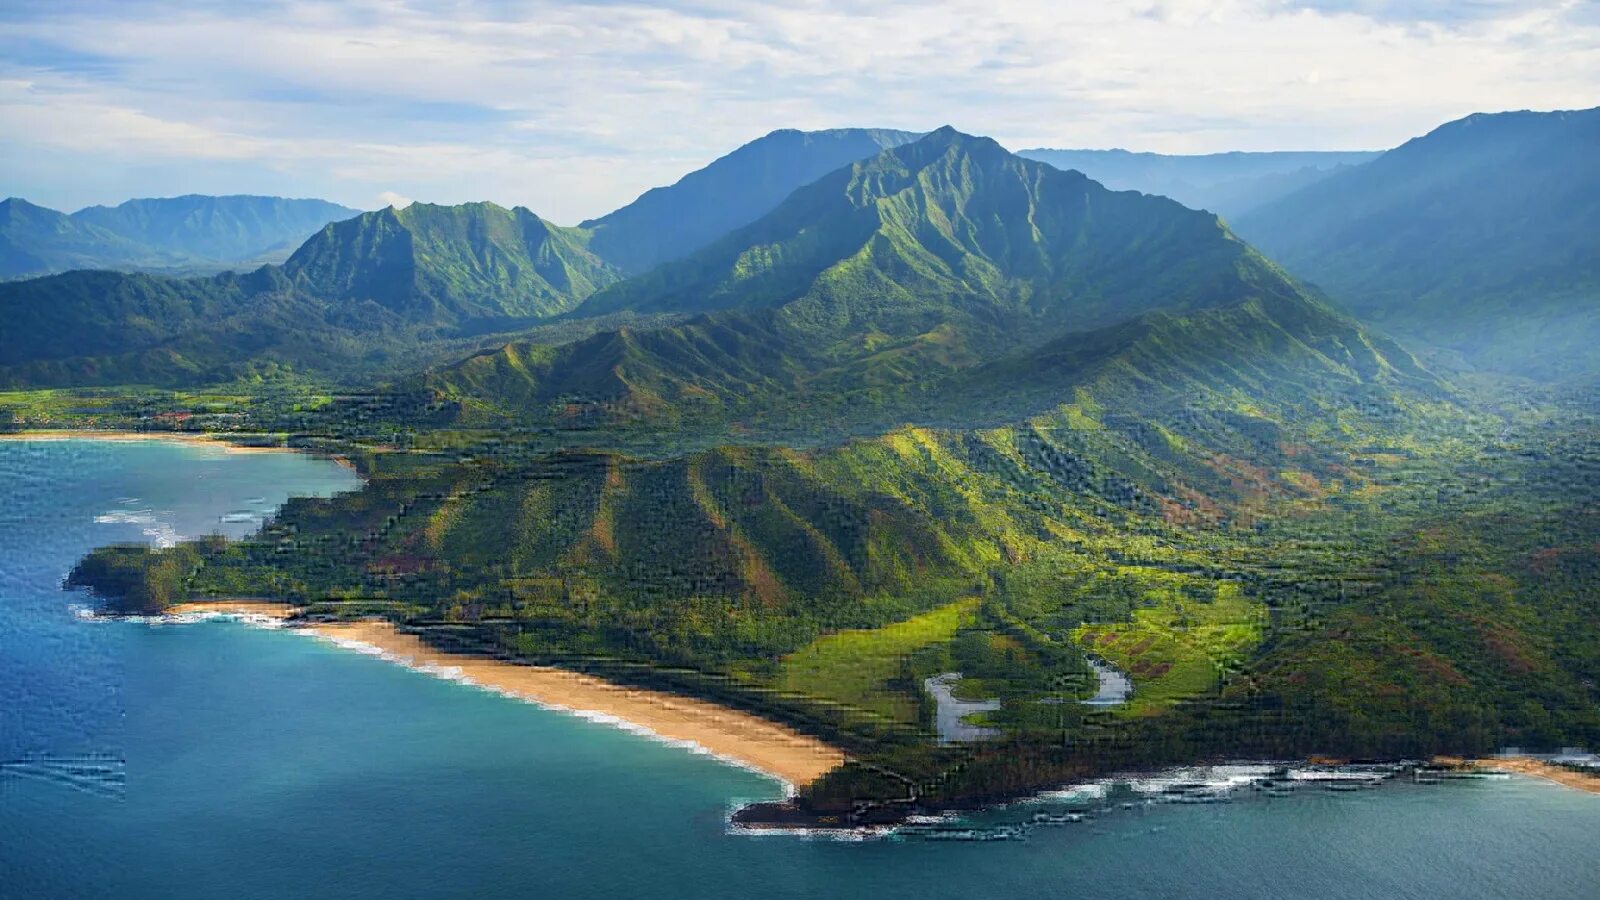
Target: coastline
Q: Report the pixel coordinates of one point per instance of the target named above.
(206, 438)
(1536, 768)
(746, 740)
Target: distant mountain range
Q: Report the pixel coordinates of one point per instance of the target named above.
(1229, 184)
(193, 233)
(1481, 237)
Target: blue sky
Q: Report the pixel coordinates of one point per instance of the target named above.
(574, 108)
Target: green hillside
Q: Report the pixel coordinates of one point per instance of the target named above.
(450, 263)
(918, 284)
(952, 228)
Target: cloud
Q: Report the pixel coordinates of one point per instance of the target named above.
(390, 198)
(574, 108)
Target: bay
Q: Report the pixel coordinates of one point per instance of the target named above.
(220, 759)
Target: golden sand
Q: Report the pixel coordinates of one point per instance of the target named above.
(210, 439)
(1527, 765)
(1583, 781)
(763, 745)
(750, 740)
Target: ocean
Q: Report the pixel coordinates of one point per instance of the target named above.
(221, 759)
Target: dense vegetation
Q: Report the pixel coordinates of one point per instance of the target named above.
(942, 410)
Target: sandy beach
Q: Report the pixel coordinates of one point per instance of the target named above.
(749, 740)
(1541, 769)
(210, 439)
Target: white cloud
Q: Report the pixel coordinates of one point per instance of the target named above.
(390, 198)
(574, 108)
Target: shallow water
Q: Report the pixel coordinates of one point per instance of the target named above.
(263, 763)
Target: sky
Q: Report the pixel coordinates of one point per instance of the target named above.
(573, 109)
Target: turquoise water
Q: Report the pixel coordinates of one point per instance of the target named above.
(261, 763)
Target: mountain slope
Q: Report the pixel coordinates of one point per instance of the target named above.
(926, 285)
(475, 260)
(193, 233)
(1482, 236)
(952, 228)
(666, 223)
(1229, 184)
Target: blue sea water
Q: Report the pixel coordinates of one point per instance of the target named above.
(222, 760)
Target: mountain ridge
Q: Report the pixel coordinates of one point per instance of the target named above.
(191, 233)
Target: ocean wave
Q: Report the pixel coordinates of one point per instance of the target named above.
(161, 534)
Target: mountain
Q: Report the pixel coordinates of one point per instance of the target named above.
(361, 294)
(668, 222)
(35, 240)
(926, 284)
(451, 263)
(192, 233)
(1481, 237)
(1229, 184)
(953, 228)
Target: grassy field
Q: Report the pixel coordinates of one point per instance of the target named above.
(854, 667)
(1178, 649)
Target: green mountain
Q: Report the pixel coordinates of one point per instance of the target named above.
(926, 284)
(361, 295)
(668, 222)
(192, 233)
(1229, 184)
(953, 228)
(1481, 237)
(451, 263)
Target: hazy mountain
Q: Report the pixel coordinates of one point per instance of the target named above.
(220, 230)
(1482, 236)
(668, 222)
(193, 233)
(1229, 184)
(35, 240)
(359, 294)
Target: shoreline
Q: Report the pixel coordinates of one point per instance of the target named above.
(1538, 768)
(205, 438)
(733, 736)
(225, 440)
